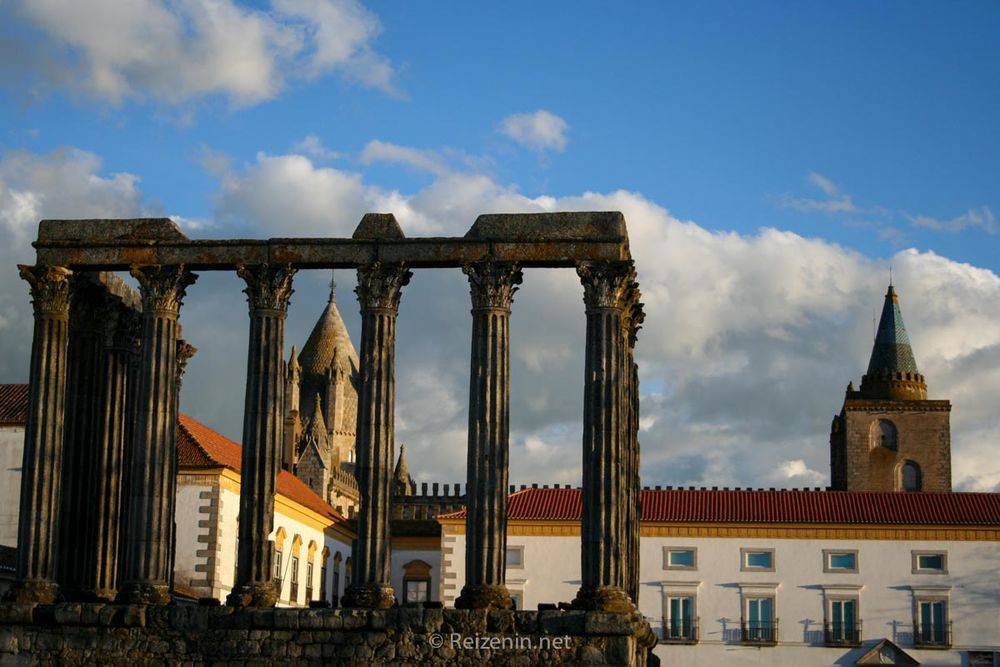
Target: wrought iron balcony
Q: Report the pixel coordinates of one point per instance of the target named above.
(759, 633)
(929, 635)
(842, 634)
(680, 632)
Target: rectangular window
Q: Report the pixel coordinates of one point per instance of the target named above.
(843, 627)
(759, 625)
(416, 591)
(757, 560)
(680, 622)
(680, 558)
(515, 557)
(309, 582)
(932, 623)
(295, 579)
(840, 561)
(930, 562)
(277, 571)
(322, 583)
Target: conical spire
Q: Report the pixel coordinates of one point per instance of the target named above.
(892, 369)
(328, 334)
(401, 476)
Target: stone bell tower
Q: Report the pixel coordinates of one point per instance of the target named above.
(888, 436)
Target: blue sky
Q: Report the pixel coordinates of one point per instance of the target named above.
(717, 108)
(810, 145)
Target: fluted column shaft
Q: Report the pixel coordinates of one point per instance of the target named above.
(492, 286)
(632, 319)
(154, 454)
(268, 291)
(94, 440)
(379, 289)
(604, 534)
(38, 520)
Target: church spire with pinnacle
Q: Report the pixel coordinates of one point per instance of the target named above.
(892, 370)
(401, 480)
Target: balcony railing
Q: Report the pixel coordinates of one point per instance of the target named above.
(680, 632)
(759, 633)
(842, 634)
(928, 635)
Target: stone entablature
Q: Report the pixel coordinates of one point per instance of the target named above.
(147, 635)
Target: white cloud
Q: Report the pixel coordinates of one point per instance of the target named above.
(539, 131)
(421, 159)
(179, 50)
(975, 218)
(798, 472)
(313, 147)
(748, 344)
(65, 183)
(834, 203)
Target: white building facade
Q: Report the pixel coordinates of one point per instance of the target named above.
(782, 585)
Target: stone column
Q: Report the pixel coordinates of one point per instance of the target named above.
(269, 288)
(492, 285)
(151, 497)
(94, 440)
(89, 311)
(604, 466)
(632, 319)
(379, 289)
(185, 351)
(38, 521)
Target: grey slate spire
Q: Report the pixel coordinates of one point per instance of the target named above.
(892, 370)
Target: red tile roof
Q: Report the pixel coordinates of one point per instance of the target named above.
(198, 446)
(759, 506)
(13, 404)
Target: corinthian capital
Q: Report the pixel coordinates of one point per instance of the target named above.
(380, 285)
(49, 287)
(492, 284)
(606, 284)
(163, 287)
(633, 314)
(185, 351)
(269, 286)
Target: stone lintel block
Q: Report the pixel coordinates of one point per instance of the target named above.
(96, 230)
(433, 619)
(526, 622)
(311, 619)
(607, 623)
(333, 621)
(376, 619)
(66, 613)
(375, 226)
(16, 613)
(90, 612)
(286, 618)
(131, 616)
(354, 618)
(568, 226)
(501, 621)
(559, 622)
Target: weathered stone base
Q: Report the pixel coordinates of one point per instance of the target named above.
(33, 591)
(110, 634)
(257, 594)
(145, 594)
(369, 596)
(484, 596)
(603, 598)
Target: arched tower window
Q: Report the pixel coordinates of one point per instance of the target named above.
(909, 477)
(884, 434)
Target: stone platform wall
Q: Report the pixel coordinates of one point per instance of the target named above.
(92, 633)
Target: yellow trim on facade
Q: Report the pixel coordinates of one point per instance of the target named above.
(742, 530)
(230, 481)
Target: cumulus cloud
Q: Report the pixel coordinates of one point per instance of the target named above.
(748, 344)
(174, 51)
(313, 147)
(421, 159)
(66, 183)
(539, 131)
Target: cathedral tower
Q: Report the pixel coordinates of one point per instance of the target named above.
(888, 436)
